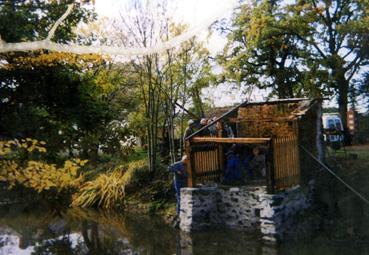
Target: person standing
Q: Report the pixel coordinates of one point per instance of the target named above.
(206, 131)
(180, 179)
(257, 165)
(233, 170)
(213, 128)
(189, 130)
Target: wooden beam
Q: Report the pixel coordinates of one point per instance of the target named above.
(258, 119)
(270, 168)
(230, 140)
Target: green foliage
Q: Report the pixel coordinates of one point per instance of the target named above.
(260, 52)
(137, 175)
(299, 48)
(362, 135)
(67, 100)
(29, 20)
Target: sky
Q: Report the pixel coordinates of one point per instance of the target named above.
(195, 13)
(192, 12)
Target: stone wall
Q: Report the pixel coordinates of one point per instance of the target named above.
(244, 208)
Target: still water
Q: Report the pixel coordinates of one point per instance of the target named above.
(75, 231)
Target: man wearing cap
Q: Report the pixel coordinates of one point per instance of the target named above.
(180, 178)
(206, 131)
(189, 130)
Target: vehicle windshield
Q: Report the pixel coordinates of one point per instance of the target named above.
(338, 124)
(331, 124)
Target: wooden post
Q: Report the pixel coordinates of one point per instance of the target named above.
(270, 168)
(190, 181)
(220, 127)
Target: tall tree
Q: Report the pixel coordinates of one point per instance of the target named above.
(336, 33)
(61, 98)
(163, 79)
(145, 27)
(324, 43)
(260, 53)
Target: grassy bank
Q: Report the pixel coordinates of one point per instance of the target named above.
(143, 191)
(346, 216)
(112, 183)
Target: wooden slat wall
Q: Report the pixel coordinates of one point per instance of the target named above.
(206, 165)
(286, 162)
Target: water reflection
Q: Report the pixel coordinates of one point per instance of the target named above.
(76, 231)
(83, 232)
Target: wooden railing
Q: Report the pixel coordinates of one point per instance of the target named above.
(239, 140)
(286, 162)
(206, 157)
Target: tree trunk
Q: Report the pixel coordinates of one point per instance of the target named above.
(343, 90)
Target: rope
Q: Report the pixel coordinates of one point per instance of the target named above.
(335, 175)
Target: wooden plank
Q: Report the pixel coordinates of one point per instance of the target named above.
(201, 161)
(286, 161)
(230, 140)
(293, 149)
(206, 164)
(292, 160)
(211, 159)
(277, 165)
(262, 119)
(298, 172)
(281, 162)
(269, 168)
(275, 160)
(202, 147)
(208, 174)
(291, 167)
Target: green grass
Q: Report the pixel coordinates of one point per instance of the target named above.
(138, 154)
(347, 214)
(362, 151)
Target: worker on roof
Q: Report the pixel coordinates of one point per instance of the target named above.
(213, 128)
(206, 131)
(189, 130)
(180, 178)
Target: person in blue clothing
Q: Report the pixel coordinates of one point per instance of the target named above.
(180, 178)
(233, 170)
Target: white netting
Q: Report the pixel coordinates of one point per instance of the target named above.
(116, 50)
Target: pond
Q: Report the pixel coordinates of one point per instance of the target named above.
(76, 231)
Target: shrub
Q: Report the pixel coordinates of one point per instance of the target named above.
(137, 174)
(17, 167)
(108, 190)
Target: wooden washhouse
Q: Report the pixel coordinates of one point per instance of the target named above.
(282, 128)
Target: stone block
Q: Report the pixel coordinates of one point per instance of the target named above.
(243, 208)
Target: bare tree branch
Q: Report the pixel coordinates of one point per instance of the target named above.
(111, 50)
(59, 21)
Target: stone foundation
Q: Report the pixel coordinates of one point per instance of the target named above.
(243, 208)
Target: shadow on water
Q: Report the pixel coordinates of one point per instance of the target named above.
(77, 231)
